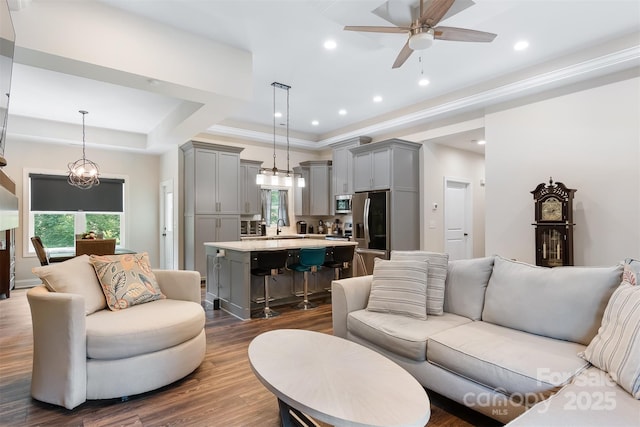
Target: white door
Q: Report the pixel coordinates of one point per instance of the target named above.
(166, 225)
(457, 219)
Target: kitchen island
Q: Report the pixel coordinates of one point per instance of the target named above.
(231, 285)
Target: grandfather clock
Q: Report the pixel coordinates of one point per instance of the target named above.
(554, 224)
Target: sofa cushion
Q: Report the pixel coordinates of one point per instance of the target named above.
(401, 335)
(399, 287)
(126, 280)
(506, 360)
(565, 303)
(436, 276)
(74, 276)
(592, 399)
(616, 348)
(142, 329)
(465, 287)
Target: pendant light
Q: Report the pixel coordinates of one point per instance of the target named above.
(83, 173)
(279, 176)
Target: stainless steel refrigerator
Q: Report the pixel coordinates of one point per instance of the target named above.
(372, 226)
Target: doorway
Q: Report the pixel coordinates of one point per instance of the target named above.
(166, 226)
(458, 218)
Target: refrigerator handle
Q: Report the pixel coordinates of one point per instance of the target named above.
(367, 202)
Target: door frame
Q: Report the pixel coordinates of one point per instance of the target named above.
(168, 184)
(468, 202)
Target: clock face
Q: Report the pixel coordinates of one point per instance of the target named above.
(551, 210)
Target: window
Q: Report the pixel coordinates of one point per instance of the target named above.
(59, 212)
(275, 206)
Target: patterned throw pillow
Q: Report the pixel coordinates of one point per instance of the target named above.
(399, 287)
(126, 280)
(437, 276)
(616, 348)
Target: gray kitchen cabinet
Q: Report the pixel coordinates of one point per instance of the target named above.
(343, 164)
(250, 191)
(212, 228)
(385, 165)
(211, 199)
(315, 197)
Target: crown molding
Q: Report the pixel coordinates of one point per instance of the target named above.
(583, 70)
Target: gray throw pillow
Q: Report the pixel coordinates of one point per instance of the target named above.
(436, 277)
(399, 287)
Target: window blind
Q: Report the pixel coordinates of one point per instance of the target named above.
(53, 193)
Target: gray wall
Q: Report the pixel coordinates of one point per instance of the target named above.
(590, 141)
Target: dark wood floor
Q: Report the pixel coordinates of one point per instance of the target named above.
(222, 392)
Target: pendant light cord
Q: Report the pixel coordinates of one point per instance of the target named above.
(274, 129)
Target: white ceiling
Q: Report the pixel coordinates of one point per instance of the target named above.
(286, 39)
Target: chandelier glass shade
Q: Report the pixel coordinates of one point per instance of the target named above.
(279, 177)
(83, 173)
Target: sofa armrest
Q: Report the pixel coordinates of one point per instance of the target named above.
(180, 284)
(59, 347)
(348, 295)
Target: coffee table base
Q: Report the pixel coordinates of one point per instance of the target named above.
(291, 417)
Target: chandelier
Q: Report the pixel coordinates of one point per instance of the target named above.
(83, 173)
(279, 176)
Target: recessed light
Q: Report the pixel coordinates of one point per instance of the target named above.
(315, 123)
(377, 98)
(342, 112)
(521, 45)
(423, 82)
(278, 114)
(481, 142)
(330, 44)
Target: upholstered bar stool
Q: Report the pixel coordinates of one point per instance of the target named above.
(268, 265)
(342, 257)
(310, 260)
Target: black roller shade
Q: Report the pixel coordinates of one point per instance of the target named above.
(54, 193)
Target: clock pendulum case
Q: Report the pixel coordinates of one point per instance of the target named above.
(554, 224)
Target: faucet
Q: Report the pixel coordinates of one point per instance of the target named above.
(278, 229)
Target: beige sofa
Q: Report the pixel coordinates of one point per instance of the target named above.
(507, 343)
(112, 354)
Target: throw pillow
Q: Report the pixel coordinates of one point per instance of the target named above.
(616, 348)
(126, 280)
(437, 276)
(399, 287)
(632, 271)
(74, 276)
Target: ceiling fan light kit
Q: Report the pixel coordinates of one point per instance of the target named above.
(421, 40)
(423, 31)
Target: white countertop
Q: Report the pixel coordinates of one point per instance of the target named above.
(261, 245)
(286, 236)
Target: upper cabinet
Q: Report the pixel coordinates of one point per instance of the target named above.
(250, 194)
(387, 165)
(315, 197)
(343, 164)
(212, 178)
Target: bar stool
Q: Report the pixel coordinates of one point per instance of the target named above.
(268, 265)
(310, 260)
(342, 256)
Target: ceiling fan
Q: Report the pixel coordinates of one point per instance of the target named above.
(422, 31)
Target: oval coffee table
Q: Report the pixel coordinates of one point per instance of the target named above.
(336, 381)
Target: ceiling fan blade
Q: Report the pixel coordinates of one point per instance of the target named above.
(462, 35)
(375, 29)
(404, 54)
(435, 11)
